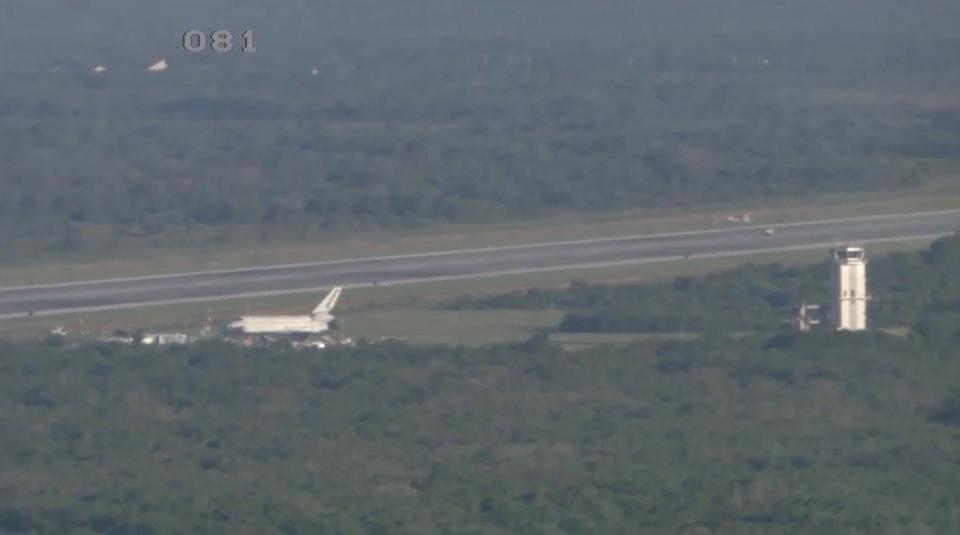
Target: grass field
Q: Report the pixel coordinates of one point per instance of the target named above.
(403, 311)
(580, 341)
(469, 328)
(249, 247)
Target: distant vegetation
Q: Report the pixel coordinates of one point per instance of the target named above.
(904, 287)
(826, 433)
(433, 114)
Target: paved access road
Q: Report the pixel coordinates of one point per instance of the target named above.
(277, 280)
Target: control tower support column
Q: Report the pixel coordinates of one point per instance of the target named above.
(849, 310)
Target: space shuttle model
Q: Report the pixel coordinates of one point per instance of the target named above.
(319, 321)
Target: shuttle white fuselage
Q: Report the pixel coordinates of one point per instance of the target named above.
(319, 321)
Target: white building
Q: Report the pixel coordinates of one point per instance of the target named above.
(165, 339)
(849, 310)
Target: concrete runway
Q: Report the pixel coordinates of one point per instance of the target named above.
(42, 300)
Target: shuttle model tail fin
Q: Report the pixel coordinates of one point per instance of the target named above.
(328, 302)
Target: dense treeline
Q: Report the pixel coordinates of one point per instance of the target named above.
(904, 287)
(444, 111)
(830, 432)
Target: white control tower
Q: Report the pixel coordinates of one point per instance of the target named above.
(849, 310)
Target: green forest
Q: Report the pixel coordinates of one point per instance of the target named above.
(774, 432)
(441, 111)
(835, 433)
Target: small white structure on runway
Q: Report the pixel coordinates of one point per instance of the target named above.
(849, 310)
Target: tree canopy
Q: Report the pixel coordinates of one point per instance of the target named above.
(441, 111)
